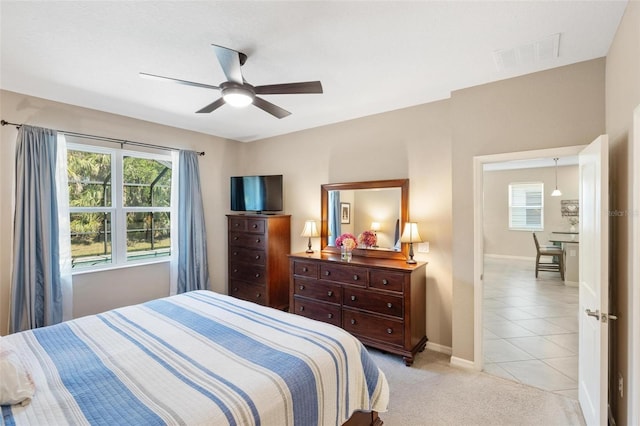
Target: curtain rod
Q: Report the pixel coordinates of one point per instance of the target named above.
(106, 139)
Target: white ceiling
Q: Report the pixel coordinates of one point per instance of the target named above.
(371, 56)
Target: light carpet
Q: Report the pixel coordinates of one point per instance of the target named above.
(432, 392)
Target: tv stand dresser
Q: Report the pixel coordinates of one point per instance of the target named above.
(380, 301)
(258, 247)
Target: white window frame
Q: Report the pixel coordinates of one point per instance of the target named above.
(118, 211)
(522, 186)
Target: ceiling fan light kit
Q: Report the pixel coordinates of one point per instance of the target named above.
(237, 95)
(237, 92)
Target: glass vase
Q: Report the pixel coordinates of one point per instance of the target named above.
(345, 254)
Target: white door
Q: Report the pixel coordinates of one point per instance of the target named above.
(594, 281)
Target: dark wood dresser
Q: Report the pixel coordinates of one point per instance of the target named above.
(258, 267)
(380, 301)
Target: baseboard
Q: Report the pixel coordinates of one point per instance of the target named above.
(463, 363)
(506, 256)
(439, 348)
(571, 283)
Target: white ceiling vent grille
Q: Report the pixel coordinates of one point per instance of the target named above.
(536, 52)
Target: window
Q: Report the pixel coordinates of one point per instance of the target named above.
(526, 211)
(120, 206)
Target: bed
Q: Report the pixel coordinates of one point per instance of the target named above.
(198, 358)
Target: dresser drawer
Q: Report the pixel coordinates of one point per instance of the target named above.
(247, 255)
(352, 275)
(317, 290)
(371, 301)
(243, 239)
(252, 273)
(246, 291)
(319, 311)
(386, 280)
(373, 327)
(252, 225)
(305, 269)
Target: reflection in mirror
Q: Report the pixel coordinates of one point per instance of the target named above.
(380, 207)
(356, 210)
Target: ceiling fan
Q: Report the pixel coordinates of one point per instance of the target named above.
(237, 92)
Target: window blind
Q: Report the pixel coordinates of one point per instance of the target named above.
(526, 206)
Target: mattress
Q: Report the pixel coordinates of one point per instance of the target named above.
(198, 358)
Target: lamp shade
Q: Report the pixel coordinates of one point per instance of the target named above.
(410, 233)
(375, 226)
(310, 229)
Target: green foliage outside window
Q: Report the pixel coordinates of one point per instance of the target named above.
(146, 183)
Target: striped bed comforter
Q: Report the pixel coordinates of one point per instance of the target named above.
(198, 358)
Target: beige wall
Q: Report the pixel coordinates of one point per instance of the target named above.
(622, 96)
(498, 238)
(559, 107)
(96, 292)
(412, 143)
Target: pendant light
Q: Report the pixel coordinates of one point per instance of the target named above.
(556, 192)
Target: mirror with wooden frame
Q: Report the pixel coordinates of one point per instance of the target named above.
(353, 207)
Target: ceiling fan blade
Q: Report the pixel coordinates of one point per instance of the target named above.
(212, 106)
(230, 62)
(175, 80)
(289, 88)
(272, 109)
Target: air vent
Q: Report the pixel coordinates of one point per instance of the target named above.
(537, 52)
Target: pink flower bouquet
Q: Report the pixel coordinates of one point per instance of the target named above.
(368, 238)
(346, 240)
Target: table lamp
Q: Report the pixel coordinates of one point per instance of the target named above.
(410, 235)
(310, 230)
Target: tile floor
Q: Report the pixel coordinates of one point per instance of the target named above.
(530, 326)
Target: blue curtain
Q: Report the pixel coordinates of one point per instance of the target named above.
(36, 288)
(334, 217)
(193, 270)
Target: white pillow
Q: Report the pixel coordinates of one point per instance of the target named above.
(16, 384)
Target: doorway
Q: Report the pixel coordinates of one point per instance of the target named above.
(525, 328)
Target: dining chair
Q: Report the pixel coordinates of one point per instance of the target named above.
(555, 252)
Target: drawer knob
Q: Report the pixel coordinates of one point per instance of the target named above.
(327, 273)
(301, 308)
(257, 275)
(257, 240)
(389, 305)
(389, 330)
(329, 315)
(236, 225)
(353, 322)
(258, 295)
(257, 256)
(235, 238)
(304, 269)
(301, 287)
(235, 289)
(330, 293)
(235, 253)
(385, 282)
(235, 270)
(255, 225)
(355, 277)
(353, 298)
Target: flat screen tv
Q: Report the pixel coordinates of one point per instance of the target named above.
(256, 193)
